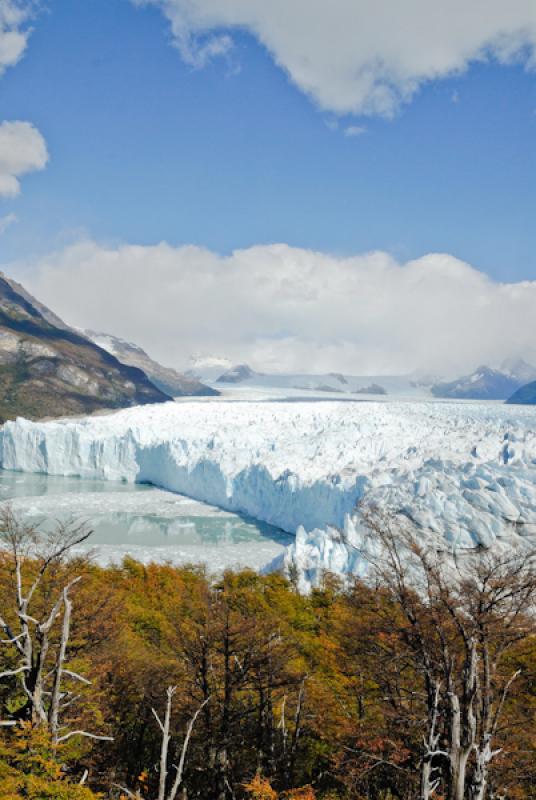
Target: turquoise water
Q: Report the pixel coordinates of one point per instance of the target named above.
(144, 522)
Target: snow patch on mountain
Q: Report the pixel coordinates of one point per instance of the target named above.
(167, 379)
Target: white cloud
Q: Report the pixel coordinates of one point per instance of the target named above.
(359, 56)
(288, 309)
(354, 130)
(22, 150)
(6, 222)
(14, 14)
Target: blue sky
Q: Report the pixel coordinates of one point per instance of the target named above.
(144, 147)
(186, 140)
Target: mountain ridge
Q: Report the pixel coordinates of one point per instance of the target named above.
(487, 383)
(48, 369)
(167, 379)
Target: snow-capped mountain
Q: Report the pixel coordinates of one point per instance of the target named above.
(207, 368)
(237, 374)
(519, 369)
(486, 383)
(166, 379)
(226, 376)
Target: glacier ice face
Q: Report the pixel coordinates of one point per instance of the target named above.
(463, 472)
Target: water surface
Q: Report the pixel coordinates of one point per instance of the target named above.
(145, 522)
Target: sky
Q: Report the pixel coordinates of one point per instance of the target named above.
(273, 182)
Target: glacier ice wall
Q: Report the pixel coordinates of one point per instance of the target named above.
(463, 472)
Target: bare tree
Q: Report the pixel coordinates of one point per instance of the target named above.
(461, 617)
(32, 559)
(164, 767)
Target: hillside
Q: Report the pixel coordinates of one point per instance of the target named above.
(168, 380)
(526, 395)
(48, 370)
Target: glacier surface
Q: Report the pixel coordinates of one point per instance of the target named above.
(464, 473)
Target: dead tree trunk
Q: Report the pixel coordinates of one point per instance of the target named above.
(41, 670)
(428, 784)
(164, 770)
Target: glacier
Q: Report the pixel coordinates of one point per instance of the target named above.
(463, 473)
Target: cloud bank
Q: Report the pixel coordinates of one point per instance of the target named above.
(359, 56)
(22, 150)
(288, 309)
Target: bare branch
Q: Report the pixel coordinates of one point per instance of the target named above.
(10, 672)
(76, 676)
(86, 734)
(180, 769)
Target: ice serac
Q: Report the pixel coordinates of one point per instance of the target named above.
(464, 473)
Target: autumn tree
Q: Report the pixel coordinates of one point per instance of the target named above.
(443, 633)
(32, 767)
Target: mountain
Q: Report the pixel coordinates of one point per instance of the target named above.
(526, 395)
(485, 383)
(374, 388)
(166, 379)
(47, 369)
(237, 374)
(519, 369)
(207, 368)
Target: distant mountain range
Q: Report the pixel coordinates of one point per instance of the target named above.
(486, 383)
(166, 379)
(48, 369)
(224, 374)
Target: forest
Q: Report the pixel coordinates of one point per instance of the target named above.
(156, 682)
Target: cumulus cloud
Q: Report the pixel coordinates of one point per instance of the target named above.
(288, 309)
(14, 15)
(22, 150)
(359, 56)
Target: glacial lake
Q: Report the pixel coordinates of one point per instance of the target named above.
(144, 522)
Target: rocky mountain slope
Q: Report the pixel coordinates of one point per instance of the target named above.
(49, 370)
(525, 396)
(237, 374)
(166, 379)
